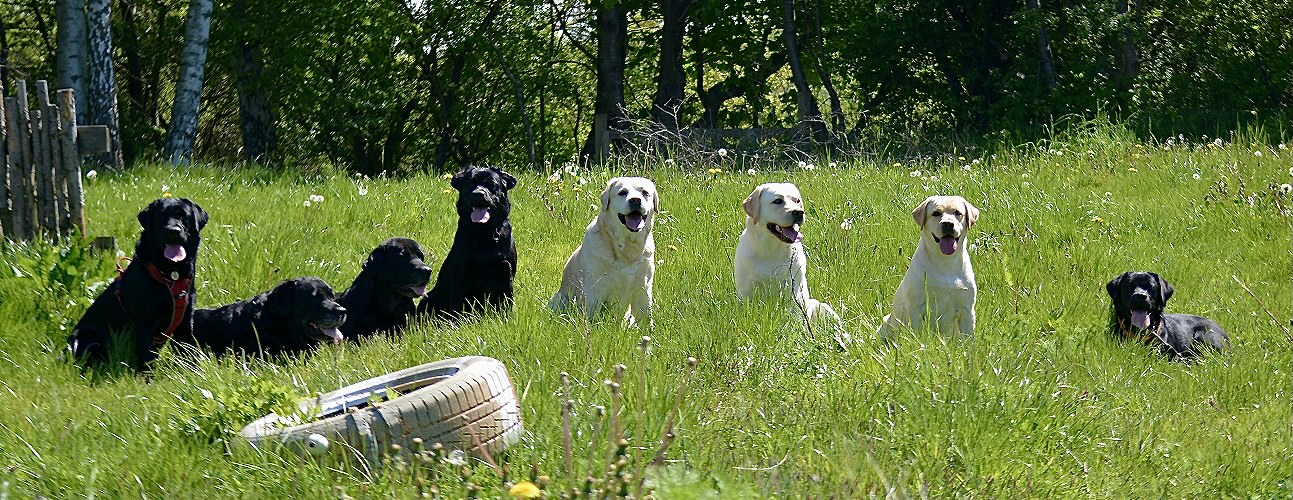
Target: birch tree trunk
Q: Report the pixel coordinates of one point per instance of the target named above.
(188, 90)
(102, 84)
(71, 50)
(256, 118)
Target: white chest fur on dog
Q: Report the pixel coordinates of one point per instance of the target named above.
(613, 269)
(938, 288)
(770, 255)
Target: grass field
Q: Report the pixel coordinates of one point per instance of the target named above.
(1041, 403)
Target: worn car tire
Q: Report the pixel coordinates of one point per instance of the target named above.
(463, 403)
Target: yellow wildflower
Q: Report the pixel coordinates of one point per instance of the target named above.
(524, 489)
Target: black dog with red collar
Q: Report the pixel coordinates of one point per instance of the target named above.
(151, 300)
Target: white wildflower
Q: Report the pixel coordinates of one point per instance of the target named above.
(933, 178)
(915, 173)
(1217, 142)
(1282, 148)
(1285, 188)
(833, 164)
(1027, 184)
(1196, 177)
(974, 161)
(1107, 194)
(316, 198)
(847, 225)
(722, 152)
(91, 175)
(802, 164)
(1024, 175)
(751, 171)
(1257, 154)
(307, 203)
(363, 190)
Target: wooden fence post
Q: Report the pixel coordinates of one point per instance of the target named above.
(17, 186)
(6, 224)
(48, 156)
(71, 161)
(26, 169)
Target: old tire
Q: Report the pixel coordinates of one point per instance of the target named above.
(464, 404)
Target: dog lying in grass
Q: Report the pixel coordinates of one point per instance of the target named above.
(152, 299)
(940, 280)
(481, 264)
(291, 318)
(1137, 314)
(382, 296)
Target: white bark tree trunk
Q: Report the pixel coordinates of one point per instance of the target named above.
(188, 90)
(71, 51)
(102, 84)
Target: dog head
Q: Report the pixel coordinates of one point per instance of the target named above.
(778, 208)
(171, 227)
(630, 202)
(397, 264)
(944, 221)
(1139, 298)
(482, 195)
(309, 308)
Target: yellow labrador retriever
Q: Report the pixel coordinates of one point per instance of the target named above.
(770, 255)
(613, 268)
(940, 280)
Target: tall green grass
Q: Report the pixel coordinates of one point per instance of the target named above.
(1040, 403)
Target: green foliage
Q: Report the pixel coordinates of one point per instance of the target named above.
(217, 415)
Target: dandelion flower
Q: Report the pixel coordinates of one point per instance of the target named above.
(1027, 184)
(960, 158)
(1282, 148)
(914, 173)
(524, 489)
(307, 203)
(896, 164)
(363, 190)
(974, 161)
(91, 175)
(1024, 175)
(668, 161)
(1257, 154)
(1290, 171)
(673, 248)
(446, 176)
(447, 190)
(1196, 177)
(167, 195)
(714, 171)
(317, 198)
(1097, 219)
(722, 152)
(833, 164)
(802, 164)
(1217, 142)
(1285, 188)
(847, 225)
(1107, 194)
(751, 171)
(809, 166)
(933, 178)
(1132, 169)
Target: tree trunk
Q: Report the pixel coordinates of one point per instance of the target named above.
(256, 117)
(188, 90)
(1128, 60)
(71, 50)
(1044, 47)
(837, 108)
(519, 95)
(671, 80)
(102, 84)
(612, 39)
(809, 114)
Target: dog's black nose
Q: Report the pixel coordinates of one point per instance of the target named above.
(422, 271)
(797, 216)
(947, 226)
(635, 203)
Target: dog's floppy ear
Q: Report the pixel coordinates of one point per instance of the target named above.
(655, 198)
(919, 213)
(146, 215)
(281, 298)
(199, 215)
(1165, 289)
(459, 180)
(971, 214)
(509, 182)
(1115, 284)
(606, 193)
(752, 203)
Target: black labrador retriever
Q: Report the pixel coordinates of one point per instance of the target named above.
(1138, 302)
(151, 301)
(481, 264)
(291, 318)
(381, 298)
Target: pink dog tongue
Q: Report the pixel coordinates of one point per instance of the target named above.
(791, 233)
(634, 221)
(175, 253)
(334, 334)
(480, 215)
(1140, 319)
(947, 245)
(420, 290)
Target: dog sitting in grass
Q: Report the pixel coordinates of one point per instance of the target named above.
(382, 296)
(481, 265)
(1139, 299)
(940, 281)
(152, 299)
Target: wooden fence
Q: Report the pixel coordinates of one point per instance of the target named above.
(40, 162)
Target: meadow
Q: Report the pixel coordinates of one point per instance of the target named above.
(1042, 402)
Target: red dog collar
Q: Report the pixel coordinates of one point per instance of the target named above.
(179, 292)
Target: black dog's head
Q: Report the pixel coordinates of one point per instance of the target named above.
(397, 264)
(171, 227)
(1138, 299)
(482, 196)
(309, 308)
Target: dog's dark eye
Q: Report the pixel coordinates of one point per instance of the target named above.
(956, 213)
(624, 192)
(937, 213)
(778, 201)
